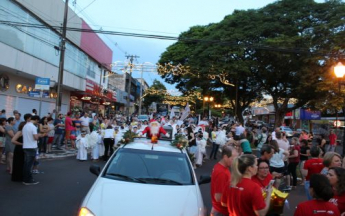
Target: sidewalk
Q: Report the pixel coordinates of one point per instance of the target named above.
(59, 154)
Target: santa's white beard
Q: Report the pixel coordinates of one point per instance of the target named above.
(154, 130)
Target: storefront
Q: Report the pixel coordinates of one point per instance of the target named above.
(18, 93)
(93, 99)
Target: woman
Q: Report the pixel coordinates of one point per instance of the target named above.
(215, 146)
(2, 137)
(321, 191)
(9, 147)
(263, 176)
(304, 155)
(51, 134)
(244, 196)
(304, 136)
(322, 143)
(277, 161)
(244, 144)
(331, 159)
(18, 155)
(43, 140)
(336, 177)
(294, 159)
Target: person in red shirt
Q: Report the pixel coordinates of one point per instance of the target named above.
(321, 191)
(263, 176)
(336, 176)
(244, 196)
(220, 179)
(332, 141)
(294, 159)
(312, 166)
(68, 129)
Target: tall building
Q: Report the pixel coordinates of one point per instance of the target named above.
(30, 34)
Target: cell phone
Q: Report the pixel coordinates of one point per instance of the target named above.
(271, 183)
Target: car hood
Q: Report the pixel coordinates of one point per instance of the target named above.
(112, 197)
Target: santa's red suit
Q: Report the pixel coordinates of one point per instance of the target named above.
(154, 129)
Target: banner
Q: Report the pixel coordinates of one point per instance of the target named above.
(185, 113)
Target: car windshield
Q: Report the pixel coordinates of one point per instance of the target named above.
(150, 167)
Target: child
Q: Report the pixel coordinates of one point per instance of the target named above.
(82, 144)
(51, 134)
(95, 149)
(36, 163)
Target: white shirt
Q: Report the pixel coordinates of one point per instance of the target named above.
(283, 144)
(109, 133)
(277, 159)
(239, 130)
(29, 130)
(85, 121)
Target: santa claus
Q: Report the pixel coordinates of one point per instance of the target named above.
(154, 129)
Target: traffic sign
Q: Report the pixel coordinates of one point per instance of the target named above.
(42, 83)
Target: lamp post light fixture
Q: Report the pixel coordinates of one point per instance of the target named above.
(339, 71)
(208, 100)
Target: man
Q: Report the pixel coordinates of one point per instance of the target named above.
(59, 129)
(274, 133)
(68, 129)
(77, 124)
(17, 117)
(238, 131)
(332, 141)
(3, 114)
(85, 122)
(220, 179)
(30, 137)
(34, 112)
(282, 141)
(266, 153)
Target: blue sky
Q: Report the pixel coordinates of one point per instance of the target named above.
(161, 17)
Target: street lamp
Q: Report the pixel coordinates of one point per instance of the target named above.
(208, 100)
(339, 71)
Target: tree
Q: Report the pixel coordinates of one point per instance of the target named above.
(283, 50)
(157, 98)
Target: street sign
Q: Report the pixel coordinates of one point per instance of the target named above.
(34, 94)
(42, 83)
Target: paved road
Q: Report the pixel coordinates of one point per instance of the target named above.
(64, 183)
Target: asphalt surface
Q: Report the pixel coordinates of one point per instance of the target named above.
(63, 184)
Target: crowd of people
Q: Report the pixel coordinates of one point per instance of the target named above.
(252, 160)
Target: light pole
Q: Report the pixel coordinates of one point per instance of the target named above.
(208, 99)
(339, 71)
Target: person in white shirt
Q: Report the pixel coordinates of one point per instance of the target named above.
(238, 131)
(201, 149)
(109, 140)
(275, 132)
(82, 144)
(30, 137)
(85, 122)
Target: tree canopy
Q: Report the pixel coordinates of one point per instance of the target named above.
(283, 50)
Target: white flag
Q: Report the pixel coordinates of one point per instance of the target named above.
(185, 113)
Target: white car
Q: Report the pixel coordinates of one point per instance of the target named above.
(145, 179)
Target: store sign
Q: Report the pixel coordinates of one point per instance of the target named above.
(23, 88)
(38, 94)
(96, 90)
(42, 83)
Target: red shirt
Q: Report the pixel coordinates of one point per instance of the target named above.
(262, 183)
(220, 179)
(68, 124)
(339, 201)
(148, 131)
(332, 139)
(316, 208)
(313, 166)
(295, 159)
(244, 199)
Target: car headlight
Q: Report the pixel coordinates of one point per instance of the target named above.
(85, 212)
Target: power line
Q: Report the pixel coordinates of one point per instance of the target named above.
(81, 10)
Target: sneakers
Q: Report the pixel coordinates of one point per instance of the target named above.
(33, 182)
(35, 171)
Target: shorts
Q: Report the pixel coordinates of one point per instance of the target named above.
(277, 169)
(67, 135)
(50, 140)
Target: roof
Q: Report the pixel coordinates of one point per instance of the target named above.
(145, 144)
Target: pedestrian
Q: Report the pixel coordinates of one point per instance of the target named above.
(331, 159)
(215, 146)
(244, 196)
(77, 124)
(321, 192)
(332, 141)
(18, 155)
(85, 122)
(109, 140)
(68, 130)
(17, 117)
(336, 177)
(3, 114)
(261, 140)
(294, 159)
(82, 144)
(263, 177)
(304, 156)
(43, 129)
(95, 150)
(312, 166)
(30, 137)
(220, 180)
(51, 134)
(244, 144)
(201, 149)
(2, 138)
(59, 128)
(9, 146)
(34, 112)
(277, 161)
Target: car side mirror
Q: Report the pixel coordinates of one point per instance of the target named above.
(204, 179)
(95, 169)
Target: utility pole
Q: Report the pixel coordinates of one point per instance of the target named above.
(131, 57)
(62, 59)
(141, 88)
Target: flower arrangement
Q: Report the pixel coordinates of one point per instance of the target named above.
(180, 142)
(128, 137)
